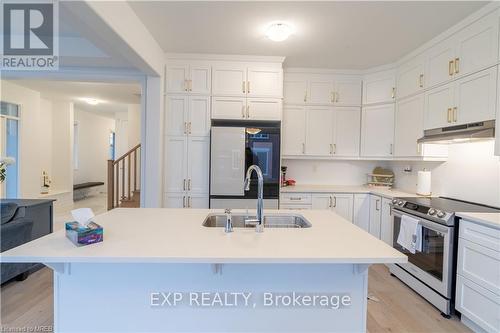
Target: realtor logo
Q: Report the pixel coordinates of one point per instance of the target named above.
(29, 35)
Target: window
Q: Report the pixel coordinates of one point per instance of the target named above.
(9, 147)
(112, 145)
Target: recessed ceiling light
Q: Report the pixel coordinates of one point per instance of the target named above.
(91, 101)
(279, 31)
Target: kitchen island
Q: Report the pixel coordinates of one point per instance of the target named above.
(160, 270)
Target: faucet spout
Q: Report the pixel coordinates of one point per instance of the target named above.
(260, 194)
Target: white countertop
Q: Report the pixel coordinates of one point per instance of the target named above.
(488, 219)
(159, 235)
(389, 193)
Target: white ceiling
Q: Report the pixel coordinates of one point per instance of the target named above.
(115, 97)
(342, 35)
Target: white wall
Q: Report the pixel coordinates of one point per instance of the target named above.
(471, 173)
(93, 146)
(62, 146)
(330, 172)
(134, 124)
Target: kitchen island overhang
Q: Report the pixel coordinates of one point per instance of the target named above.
(150, 253)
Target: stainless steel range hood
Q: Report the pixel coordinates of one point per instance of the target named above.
(460, 133)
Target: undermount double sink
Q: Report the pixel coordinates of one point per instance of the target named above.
(270, 221)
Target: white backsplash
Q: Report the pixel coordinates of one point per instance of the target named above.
(471, 173)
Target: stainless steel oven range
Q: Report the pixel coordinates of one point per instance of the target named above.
(431, 272)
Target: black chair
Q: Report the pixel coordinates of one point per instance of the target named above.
(14, 231)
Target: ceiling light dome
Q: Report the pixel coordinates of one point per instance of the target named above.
(279, 31)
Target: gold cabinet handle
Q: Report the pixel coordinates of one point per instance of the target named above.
(455, 114)
(189, 128)
(248, 87)
(448, 117)
(184, 185)
(450, 67)
(242, 111)
(335, 148)
(305, 96)
(303, 148)
(391, 149)
(331, 149)
(189, 184)
(457, 65)
(334, 201)
(421, 81)
(330, 203)
(393, 94)
(248, 111)
(189, 202)
(332, 97)
(190, 85)
(243, 86)
(336, 97)
(184, 202)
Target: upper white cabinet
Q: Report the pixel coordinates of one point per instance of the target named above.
(264, 109)
(319, 131)
(377, 131)
(229, 108)
(188, 115)
(469, 99)
(294, 130)
(235, 79)
(473, 48)
(246, 108)
(408, 126)
(188, 78)
(347, 131)
(379, 87)
(410, 77)
(322, 89)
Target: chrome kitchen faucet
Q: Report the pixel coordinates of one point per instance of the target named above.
(259, 227)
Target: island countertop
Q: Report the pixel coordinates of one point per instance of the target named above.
(160, 235)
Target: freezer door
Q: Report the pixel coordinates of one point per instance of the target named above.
(227, 161)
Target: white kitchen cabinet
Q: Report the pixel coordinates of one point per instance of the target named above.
(377, 131)
(294, 130)
(386, 223)
(439, 65)
(340, 203)
(361, 211)
(188, 78)
(410, 78)
(174, 200)
(200, 201)
(375, 215)
(475, 97)
(188, 115)
(319, 131)
(347, 91)
(295, 89)
(321, 90)
(264, 82)
(438, 106)
(176, 159)
(347, 131)
(264, 109)
(379, 88)
(408, 125)
(469, 99)
(197, 166)
(229, 108)
(229, 80)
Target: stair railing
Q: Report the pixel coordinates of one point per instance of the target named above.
(123, 177)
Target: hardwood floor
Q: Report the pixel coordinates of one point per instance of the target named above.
(396, 309)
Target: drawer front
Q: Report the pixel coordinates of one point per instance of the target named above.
(296, 198)
(478, 304)
(479, 234)
(479, 264)
(295, 207)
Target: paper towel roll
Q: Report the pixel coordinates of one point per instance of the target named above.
(424, 183)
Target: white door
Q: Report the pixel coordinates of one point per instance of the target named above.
(347, 92)
(475, 97)
(199, 116)
(294, 130)
(199, 201)
(177, 115)
(264, 109)
(342, 205)
(347, 131)
(198, 164)
(176, 164)
(410, 77)
(377, 130)
(319, 131)
(322, 201)
(295, 89)
(321, 90)
(379, 88)
(175, 200)
(438, 105)
(229, 80)
(386, 221)
(177, 76)
(265, 82)
(227, 157)
(229, 108)
(375, 215)
(439, 62)
(200, 79)
(477, 45)
(408, 125)
(362, 211)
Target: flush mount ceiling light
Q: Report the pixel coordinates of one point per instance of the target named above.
(279, 31)
(91, 101)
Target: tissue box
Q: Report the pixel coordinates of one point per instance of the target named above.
(84, 235)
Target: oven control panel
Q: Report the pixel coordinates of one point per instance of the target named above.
(422, 210)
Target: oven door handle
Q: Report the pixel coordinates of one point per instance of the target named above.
(435, 226)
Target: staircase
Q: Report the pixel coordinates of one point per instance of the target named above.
(124, 180)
